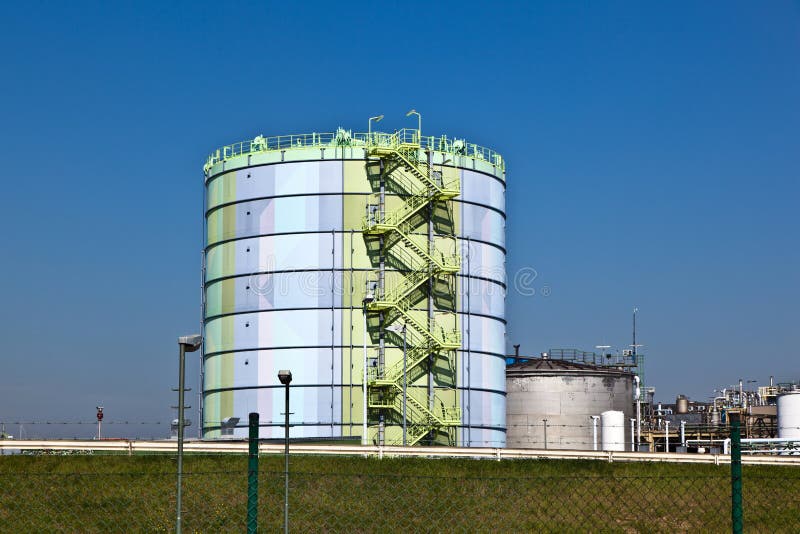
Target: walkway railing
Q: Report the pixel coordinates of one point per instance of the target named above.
(346, 138)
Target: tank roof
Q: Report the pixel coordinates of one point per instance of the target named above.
(538, 366)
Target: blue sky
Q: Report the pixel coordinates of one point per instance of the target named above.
(652, 149)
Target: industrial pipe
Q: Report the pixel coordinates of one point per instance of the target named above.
(633, 435)
(594, 430)
(637, 395)
(683, 433)
(364, 384)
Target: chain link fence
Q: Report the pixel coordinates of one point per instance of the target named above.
(111, 493)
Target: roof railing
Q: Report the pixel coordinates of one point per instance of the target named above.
(346, 138)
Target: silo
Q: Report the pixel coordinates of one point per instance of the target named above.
(789, 415)
(327, 254)
(562, 396)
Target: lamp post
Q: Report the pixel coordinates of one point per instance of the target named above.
(377, 118)
(604, 349)
(185, 344)
(285, 377)
(419, 122)
(369, 297)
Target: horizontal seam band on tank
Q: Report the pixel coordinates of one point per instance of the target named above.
(329, 308)
(209, 179)
(219, 279)
(209, 211)
(344, 232)
(328, 347)
(281, 424)
(344, 385)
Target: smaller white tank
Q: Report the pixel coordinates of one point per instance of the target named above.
(612, 425)
(789, 415)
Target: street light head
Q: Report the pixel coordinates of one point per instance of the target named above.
(229, 422)
(379, 118)
(412, 112)
(190, 343)
(285, 376)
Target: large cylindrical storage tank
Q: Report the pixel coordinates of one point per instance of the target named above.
(566, 394)
(303, 234)
(612, 430)
(789, 415)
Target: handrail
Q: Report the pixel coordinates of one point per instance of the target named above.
(346, 138)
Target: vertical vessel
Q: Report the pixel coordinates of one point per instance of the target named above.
(340, 256)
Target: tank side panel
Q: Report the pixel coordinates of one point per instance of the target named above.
(273, 268)
(481, 234)
(567, 402)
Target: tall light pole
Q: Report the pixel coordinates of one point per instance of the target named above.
(419, 122)
(185, 344)
(377, 118)
(285, 377)
(369, 297)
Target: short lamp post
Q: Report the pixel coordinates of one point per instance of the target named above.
(185, 344)
(377, 118)
(285, 377)
(419, 123)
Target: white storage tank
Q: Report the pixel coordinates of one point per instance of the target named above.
(612, 425)
(789, 415)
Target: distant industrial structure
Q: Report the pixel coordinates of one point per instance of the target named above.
(370, 264)
(579, 400)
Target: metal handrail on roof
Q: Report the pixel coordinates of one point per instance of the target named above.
(346, 138)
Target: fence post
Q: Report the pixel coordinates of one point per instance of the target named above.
(737, 523)
(252, 476)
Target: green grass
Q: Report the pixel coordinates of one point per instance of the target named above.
(137, 494)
